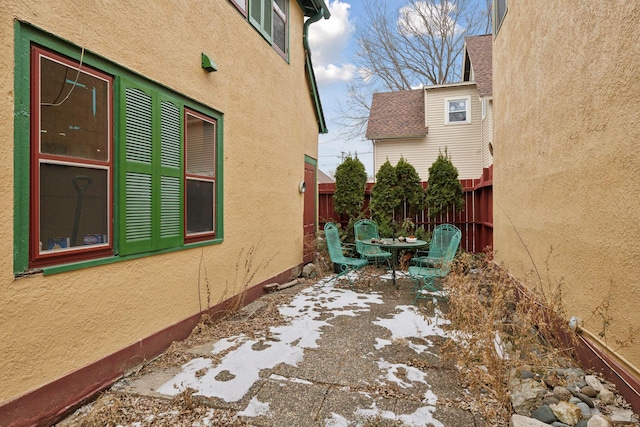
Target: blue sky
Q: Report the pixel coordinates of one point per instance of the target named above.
(332, 45)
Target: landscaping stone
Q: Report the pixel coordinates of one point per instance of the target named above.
(585, 409)
(567, 413)
(544, 414)
(522, 421)
(582, 423)
(550, 400)
(599, 421)
(589, 391)
(561, 393)
(526, 395)
(594, 382)
(553, 380)
(309, 271)
(606, 396)
(559, 424)
(524, 374)
(620, 415)
(586, 399)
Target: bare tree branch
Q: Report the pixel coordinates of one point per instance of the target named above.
(419, 44)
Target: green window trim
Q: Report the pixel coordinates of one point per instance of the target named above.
(261, 17)
(166, 241)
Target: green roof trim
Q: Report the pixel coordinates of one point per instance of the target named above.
(312, 7)
(315, 10)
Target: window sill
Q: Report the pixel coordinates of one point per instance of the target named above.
(114, 259)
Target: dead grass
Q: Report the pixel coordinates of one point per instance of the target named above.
(500, 330)
(113, 409)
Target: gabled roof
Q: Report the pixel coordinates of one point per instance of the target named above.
(478, 56)
(323, 178)
(397, 115)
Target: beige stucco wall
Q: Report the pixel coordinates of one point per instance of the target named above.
(487, 133)
(52, 325)
(567, 158)
(462, 141)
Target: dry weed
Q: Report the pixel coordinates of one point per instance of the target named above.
(500, 329)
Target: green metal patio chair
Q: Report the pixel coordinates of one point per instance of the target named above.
(337, 252)
(365, 230)
(441, 239)
(425, 277)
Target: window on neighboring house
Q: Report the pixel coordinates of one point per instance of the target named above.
(270, 17)
(71, 160)
(500, 8)
(457, 110)
(163, 158)
(200, 141)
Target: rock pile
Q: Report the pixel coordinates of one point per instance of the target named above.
(566, 398)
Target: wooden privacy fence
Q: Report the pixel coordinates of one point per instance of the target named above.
(475, 221)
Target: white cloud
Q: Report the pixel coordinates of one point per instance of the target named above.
(425, 17)
(328, 40)
(332, 73)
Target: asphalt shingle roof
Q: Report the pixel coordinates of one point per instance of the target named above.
(397, 114)
(479, 50)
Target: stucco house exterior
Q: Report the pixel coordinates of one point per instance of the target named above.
(155, 157)
(457, 117)
(567, 158)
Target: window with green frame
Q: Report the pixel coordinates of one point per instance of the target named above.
(270, 18)
(118, 165)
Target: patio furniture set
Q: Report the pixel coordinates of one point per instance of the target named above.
(426, 266)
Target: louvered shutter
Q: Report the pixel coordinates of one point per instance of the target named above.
(171, 231)
(150, 172)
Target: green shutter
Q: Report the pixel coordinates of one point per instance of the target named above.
(171, 231)
(150, 171)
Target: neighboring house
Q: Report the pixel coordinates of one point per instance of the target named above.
(419, 124)
(476, 67)
(154, 156)
(323, 178)
(567, 161)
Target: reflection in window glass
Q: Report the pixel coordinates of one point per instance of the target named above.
(73, 112)
(73, 206)
(280, 24)
(71, 152)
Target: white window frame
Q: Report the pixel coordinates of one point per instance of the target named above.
(449, 100)
(242, 5)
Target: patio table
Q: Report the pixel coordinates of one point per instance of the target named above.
(394, 245)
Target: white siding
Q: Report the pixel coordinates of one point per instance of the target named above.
(463, 142)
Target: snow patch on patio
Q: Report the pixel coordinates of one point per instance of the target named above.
(410, 323)
(240, 369)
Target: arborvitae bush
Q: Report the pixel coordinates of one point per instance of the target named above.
(385, 198)
(444, 188)
(410, 191)
(351, 182)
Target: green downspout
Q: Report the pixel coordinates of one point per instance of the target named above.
(322, 126)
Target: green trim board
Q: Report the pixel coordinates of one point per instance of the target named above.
(25, 36)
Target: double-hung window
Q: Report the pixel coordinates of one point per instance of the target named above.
(118, 165)
(71, 160)
(457, 110)
(270, 18)
(200, 141)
